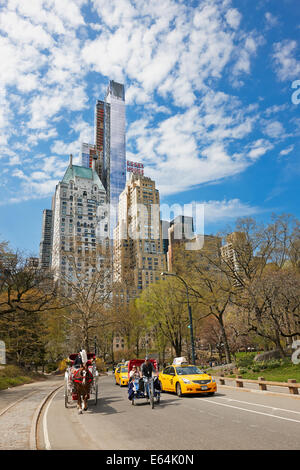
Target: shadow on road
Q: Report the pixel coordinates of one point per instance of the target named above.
(163, 402)
(103, 406)
(199, 395)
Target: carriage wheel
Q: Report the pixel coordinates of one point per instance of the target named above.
(96, 395)
(152, 401)
(66, 396)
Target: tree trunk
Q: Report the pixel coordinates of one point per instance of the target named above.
(224, 338)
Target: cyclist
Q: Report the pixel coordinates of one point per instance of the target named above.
(147, 368)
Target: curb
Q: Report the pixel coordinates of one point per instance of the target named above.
(35, 418)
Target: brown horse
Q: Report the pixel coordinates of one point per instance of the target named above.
(82, 379)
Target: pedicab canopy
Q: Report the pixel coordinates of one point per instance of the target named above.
(139, 362)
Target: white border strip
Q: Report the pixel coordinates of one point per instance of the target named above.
(250, 411)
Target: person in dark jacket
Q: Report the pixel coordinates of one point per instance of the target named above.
(78, 361)
(147, 368)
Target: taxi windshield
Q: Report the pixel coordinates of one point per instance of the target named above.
(124, 369)
(188, 370)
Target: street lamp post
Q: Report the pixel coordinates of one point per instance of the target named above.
(189, 310)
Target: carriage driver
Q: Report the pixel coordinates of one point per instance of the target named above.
(78, 361)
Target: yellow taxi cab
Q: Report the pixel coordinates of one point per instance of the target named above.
(117, 367)
(186, 379)
(121, 375)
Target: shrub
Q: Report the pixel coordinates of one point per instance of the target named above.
(51, 367)
(100, 364)
(11, 371)
(245, 359)
(63, 364)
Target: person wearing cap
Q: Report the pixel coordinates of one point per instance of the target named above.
(147, 368)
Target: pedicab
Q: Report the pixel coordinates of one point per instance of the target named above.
(143, 388)
(70, 377)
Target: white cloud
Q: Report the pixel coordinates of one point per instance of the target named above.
(271, 19)
(274, 129)
(172, 58)
(259, 148)
(287, 66)
(233, 18)
(287, 150)
(215, 211)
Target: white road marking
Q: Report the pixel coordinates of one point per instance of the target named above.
(257, 404)
(45, 427)
(249, 411)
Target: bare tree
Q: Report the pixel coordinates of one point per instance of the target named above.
(23, 287)
(88, 287)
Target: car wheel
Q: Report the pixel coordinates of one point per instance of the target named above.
(210, 394)
(178, 390)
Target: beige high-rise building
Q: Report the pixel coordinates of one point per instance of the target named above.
(138, 247)
(230, 251)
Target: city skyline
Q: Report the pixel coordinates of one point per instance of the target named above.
(211, 103)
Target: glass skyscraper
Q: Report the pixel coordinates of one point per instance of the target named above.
(109, 149)
(115, 160)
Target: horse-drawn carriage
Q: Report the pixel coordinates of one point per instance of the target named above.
(81, 381)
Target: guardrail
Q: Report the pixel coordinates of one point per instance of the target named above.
(292, 385)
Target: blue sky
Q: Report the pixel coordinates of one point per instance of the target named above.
(209, 107)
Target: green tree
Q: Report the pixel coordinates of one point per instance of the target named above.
(165, 308)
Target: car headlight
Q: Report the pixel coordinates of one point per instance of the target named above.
(186, 381)
(213, 380)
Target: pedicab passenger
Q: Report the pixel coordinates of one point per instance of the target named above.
(134, 374)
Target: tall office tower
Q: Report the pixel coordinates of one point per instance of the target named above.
(138, 250)
(181, 229)
(79, 224)
(46, 240)
(165, 225)
(102, 138)
(115, 159)
(88, 154)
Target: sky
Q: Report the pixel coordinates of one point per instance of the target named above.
(212, 91)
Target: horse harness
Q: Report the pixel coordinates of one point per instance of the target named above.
(78, 377)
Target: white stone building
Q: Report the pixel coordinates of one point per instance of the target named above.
(80, 224)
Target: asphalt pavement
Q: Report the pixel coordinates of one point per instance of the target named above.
(230, 420)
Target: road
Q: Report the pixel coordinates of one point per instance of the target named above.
(230, 420)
